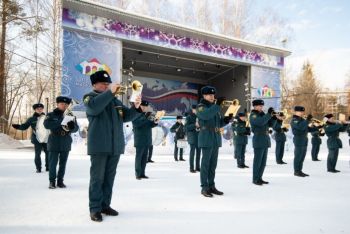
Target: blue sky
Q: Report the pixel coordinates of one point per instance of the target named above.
(321, 34)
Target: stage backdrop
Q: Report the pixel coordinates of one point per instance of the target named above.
(84, 54)
(266, 85)
(174, 97)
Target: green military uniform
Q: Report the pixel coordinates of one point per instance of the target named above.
(38, 147)
(316, 141)
(300, 129)
(280, 138)
(192, 138)
(333, 144)
(142, 128)
(209, 140)
(240, 139)
(260, 123)
(106, 115)
(58, 145)
(179, 130)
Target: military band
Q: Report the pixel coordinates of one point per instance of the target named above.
(316, 142)
(179, 129)
(240, 138)
(280, 137)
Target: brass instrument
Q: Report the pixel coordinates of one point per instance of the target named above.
(233, 107)
(156, 116)
(69, 112)
(135, 86)
(234, 102)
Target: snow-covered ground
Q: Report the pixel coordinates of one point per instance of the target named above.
(170, 201)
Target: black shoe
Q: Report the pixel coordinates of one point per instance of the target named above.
(263, 182)
(47, 169)
(38, 170)
(52, 185)
(299, 173)
(206, 193)
(181, 159)
(144, 177)
(240, 166)
(245, 166)
(176, 159)
(110, 211)
(60, 184)
(198, 169)
(96, 216)
(281, 163)
(316, 160)
(192, 171)
(257, 183)
(215, 191)
(305, 174)
(333, 171)
(138, 177)
(150, 161)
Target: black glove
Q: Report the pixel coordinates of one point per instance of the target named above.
(322, 134)
(15, 126)
(270, 131)
(285, 129)
(349, 118)
(220, 100)
(247, 131)
(274, 117)
(309, 117)
(71, 125)
(270, 110)
(227, 119)
(147, 114)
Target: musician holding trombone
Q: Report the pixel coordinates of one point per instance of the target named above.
(38, 146)
(106, 114)
(332, 129)
(60, 140)
(142, 127)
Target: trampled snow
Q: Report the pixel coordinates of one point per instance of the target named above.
(170, 201)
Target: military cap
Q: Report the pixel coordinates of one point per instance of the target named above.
(328, 116)
(208, 90)
(63, 99)
(179, 117)
(144, 103)
(258, 102)
(299, 108)
(38, 105)
(194, 106)
(241, 114)
(100, 76)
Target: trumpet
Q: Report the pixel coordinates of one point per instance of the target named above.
(234, 102)
(135, 86)
(69, 112)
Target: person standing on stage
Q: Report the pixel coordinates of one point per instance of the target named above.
(60, 141)
(38, 146)
(179, 130)
(260, 123)
(332, 129)
(142, 128)
(106, 115)
(240, 135)
(192, 129)
(209, 138)
(280, 137)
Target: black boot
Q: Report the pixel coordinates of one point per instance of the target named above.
(110, 211)
(192, 171)
(52, 185)
(150, 161)
(299, 173)
(263, 181)
(60, 184)
(257, 183)
(38, 170)
(47, 169)
(144, 177)
(206, 193)
(213, 190)
(304, 174)
(96, 216)
(198, 169)
(181, 159)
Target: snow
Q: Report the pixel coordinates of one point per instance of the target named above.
(7, 142)
(170, 201)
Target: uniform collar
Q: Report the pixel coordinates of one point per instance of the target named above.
(58, 111)
(205, 102)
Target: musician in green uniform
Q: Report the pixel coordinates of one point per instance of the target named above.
(260, 123)
(209, 138)
(142, 127)
(60, 140)
(300, 128)
(316, 142)
(38, 146)
(179, 130)
(280, 137)
(192, 129)
(332, 129)
(106, 143)
(240, 138)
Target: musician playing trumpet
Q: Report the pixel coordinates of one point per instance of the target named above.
(192, 129)
(240, 135)
(142, 127)
(280, 136)
(60, 141)
(38, 146)
(332, 129)
(316, 141)
(106, 114)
